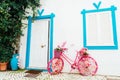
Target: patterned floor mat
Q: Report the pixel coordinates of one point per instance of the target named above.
(32, 73)
(20, 75)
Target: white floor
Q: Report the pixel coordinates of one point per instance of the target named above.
(19, 75)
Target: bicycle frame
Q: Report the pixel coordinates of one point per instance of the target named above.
(60, 54)
(70, 61)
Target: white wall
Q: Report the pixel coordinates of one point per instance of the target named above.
(68, 27)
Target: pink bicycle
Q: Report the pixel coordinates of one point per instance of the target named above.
(85, 64)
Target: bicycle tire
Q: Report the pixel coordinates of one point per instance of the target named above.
(55, 66)
(87, 66)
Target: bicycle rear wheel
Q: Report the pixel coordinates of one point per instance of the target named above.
(55, 65)
(87, 66)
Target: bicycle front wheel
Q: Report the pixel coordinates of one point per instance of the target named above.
(55, 66)
(87, 66)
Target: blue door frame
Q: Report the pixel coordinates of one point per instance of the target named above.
(40, 17)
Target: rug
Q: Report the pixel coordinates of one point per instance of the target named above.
(32, 73)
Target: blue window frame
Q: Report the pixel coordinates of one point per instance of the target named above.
(86, 42)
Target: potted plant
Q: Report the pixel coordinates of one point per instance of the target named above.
(58, 51)
(5, 55)
(12, 13)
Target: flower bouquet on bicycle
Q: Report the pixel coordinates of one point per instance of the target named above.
(83, 62)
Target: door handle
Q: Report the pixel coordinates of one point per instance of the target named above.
(43, 45)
